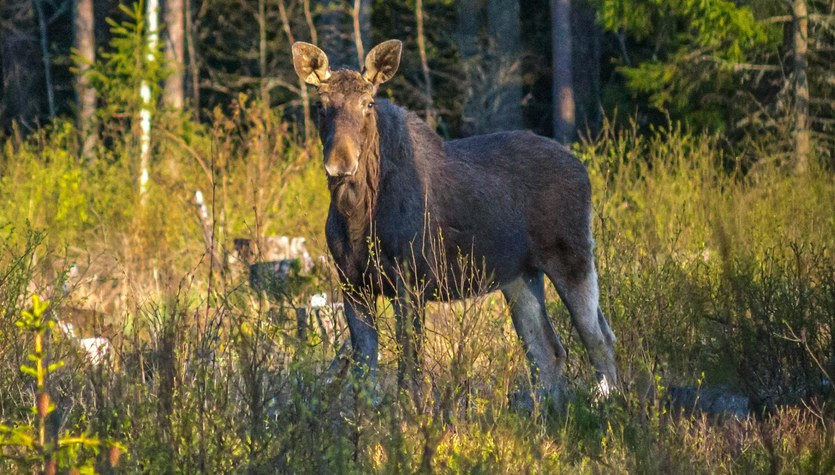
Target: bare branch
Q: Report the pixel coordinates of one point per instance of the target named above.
(355, 16)
(309, 19)
(777, 19)
(229, 84)
(813, 17)
(737, 67)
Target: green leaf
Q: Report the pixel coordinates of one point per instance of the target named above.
(55, 366)
(28, 370)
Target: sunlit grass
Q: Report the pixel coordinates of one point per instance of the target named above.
(710, 275)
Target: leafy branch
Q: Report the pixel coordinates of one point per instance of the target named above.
(34, 448)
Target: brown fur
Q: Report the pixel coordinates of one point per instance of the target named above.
(511, 216)
(515, 205)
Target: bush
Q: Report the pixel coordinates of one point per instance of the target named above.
(710, 276)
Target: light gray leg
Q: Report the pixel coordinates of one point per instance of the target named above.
(363, 338)
(543, 348)
(580, 295)
(604, 325)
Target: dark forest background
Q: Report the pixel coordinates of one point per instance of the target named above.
(750, 69)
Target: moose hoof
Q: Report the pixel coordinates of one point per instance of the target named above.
(605, 388)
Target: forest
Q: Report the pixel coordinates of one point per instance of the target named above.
(168, 303)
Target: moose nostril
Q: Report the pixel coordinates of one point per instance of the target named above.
(337, 171)
(331, 170)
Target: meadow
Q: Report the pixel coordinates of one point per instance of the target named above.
(716, 270)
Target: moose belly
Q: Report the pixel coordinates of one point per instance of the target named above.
(459, 258)
(481, 263)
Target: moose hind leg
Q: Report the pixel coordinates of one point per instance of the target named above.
(526, 298)
(578, 290)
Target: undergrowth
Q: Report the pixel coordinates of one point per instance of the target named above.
(713, 275)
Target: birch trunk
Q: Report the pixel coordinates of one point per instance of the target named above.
(173, 90)
(85, 44)
(152, 41)
(802, 132)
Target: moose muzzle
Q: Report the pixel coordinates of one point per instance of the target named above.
(342, 158)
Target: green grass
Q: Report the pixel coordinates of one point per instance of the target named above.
(709, 276)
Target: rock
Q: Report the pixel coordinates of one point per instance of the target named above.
(714, 402)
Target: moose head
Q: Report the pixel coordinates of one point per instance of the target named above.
(346, 100)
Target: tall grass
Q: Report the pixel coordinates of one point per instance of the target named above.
(711, 278)
(712, 271)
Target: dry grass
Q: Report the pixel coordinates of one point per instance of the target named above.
(708, 276)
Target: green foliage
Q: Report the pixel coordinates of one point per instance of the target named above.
(712, 266)
(27, 445)
(41, 183)
(688, 54)
(125, 65)
(703, 262)
(723, 28)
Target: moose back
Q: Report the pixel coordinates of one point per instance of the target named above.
(409, 211)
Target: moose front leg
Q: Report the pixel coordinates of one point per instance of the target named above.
(409, 315)
(364, 339)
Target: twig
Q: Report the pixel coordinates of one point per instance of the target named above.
(355, 15)
(309, 19)
(802, 340)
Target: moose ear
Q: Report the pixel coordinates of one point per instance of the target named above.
(382, 62)
(311, 63)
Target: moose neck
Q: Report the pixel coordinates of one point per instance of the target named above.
(355, 197)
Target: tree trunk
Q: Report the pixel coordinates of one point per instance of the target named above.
(45, 56)
(586, 62)
(333, 35)
(802, 133)
(563, 87)
(505, 95)
(596, 116)
(467, 38)
(19, 57)
(424, 66)
(85, 45)
(152, 15)
(285, 21)
(262, 50)
(468, 28)
(365, 25)
(193, 67)
(314, 38)
(173, 91)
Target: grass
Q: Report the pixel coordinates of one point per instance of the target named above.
(714, 274)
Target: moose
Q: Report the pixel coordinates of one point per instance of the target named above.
(405, 206)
